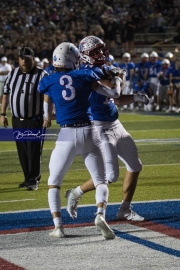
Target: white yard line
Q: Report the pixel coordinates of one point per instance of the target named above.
(147, 130)
(121, 167)
(23, 200)
(149, 141)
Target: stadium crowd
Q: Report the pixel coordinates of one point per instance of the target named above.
(42, 25)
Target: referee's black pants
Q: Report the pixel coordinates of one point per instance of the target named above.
(29, 152)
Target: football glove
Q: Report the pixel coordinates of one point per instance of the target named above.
(115, 79)
(141, 98)
(110, 74)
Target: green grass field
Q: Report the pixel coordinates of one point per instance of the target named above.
(155, 136)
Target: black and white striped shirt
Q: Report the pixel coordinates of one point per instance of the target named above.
(25, 99)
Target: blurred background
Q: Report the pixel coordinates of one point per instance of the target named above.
(135, 26)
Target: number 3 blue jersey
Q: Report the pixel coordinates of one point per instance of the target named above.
(70, 92)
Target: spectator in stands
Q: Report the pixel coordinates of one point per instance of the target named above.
(130, 29)
(176, 16)
(96, 30)
(123, 35)
(177, 37)
(57, 21)
(54, 16)
(110, 29)
(160, 23)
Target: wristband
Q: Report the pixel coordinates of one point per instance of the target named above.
(46, 107)
(3, 114)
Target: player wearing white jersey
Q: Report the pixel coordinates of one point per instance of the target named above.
(117, 142)
(69, 89)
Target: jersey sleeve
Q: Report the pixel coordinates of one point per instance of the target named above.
(44, 85)
(6, 88)
(131, 65)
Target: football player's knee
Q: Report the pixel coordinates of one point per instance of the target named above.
(113, 176)
(139, 166)
(55, 180)
(136, 167)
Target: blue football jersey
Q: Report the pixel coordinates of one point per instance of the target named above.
(153, 69)
(175, 73)
(141, 69)
(143, 88)
(127, 66)
(164, 79)
(103, 108)
(70, 92)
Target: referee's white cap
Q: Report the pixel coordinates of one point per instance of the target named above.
(4, 59)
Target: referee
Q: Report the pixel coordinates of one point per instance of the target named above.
(26, 103)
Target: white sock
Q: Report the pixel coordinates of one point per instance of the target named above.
(125, 205)
(57, 221)
(101, 210)
(78, 192)
(102, 193)
(54, 200)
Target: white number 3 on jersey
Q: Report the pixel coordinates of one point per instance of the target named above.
(68, 85)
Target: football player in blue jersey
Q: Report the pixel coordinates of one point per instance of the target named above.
(117, 142)
(164, 85)
(170, 57)
(153, 68)
(110, 61)
(175, 83)
(141, 68)
(69, 89)
(142, 87)
(129, 67)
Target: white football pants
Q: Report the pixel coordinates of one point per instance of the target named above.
(85, 142)
(117, 142)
